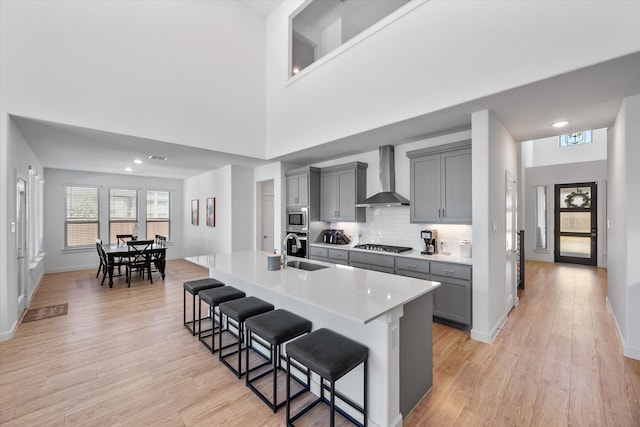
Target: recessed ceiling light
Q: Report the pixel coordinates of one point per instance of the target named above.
(561, 123)
(296, 70)
(128, 169)
(137, 161)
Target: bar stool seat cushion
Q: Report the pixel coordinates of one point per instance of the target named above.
(195, 286)
(328, 353)
(243, 308)
(278, 326)
(215, 296)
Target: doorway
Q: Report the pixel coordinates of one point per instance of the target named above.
(576, 229)
(265, 216)
(21, 243)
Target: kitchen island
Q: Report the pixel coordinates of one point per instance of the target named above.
(391, 315)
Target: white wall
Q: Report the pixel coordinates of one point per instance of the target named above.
(547, 151)
(493, 152)
(563, 174)
(243, 208)
(232, 186)
(623, 205)
(396, 74)
(15, 164)
(59, 259)
(165, 70)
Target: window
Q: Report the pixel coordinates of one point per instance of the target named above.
(541, 218)
(81, 225)
(35, 215)
(158, 213)
(123, 212)
(575, 138)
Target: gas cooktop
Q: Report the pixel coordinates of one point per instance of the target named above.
(383, 248)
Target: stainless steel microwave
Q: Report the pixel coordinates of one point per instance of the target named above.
(297, 219)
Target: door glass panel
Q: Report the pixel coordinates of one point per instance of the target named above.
(579, 247)
(575, 222)
(579, 197)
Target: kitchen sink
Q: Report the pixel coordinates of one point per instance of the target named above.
(305, 265)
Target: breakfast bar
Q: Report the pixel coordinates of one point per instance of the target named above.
(391, 315)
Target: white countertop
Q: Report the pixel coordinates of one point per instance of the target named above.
(358, 294)
(455, 259)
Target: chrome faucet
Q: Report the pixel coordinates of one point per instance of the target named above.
(284, 247)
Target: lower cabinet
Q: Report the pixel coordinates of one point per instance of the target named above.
(452, 300)
(336, 256)
(376, 262)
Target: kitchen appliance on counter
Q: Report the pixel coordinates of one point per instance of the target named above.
(430, 238)
(335, 237)
(383, 248)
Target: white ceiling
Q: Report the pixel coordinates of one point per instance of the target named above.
(62, 146)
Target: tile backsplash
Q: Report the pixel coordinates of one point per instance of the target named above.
(391, 226)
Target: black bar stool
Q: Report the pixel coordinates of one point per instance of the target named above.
(276, 328)
(214, 297)
(331, 356)
(237, 311)
(193, 287)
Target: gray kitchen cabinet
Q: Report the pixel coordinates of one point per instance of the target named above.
(369, 261)
(339, 256)
(412, 267)
(301, 184)
(297, 190)
(319, 254)
(336, 256)
(440, 180)
(452, 300)
(341, 188)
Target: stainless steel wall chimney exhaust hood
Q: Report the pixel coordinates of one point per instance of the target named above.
(388, 196)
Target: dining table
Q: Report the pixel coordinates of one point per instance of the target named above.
(122, 251)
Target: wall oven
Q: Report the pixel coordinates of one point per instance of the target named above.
(297, 219)
(293, 250)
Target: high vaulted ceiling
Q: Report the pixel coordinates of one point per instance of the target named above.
(589, 97)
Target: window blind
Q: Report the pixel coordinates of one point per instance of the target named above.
(82, 223)
(158, 213)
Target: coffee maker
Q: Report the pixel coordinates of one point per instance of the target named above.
(430, 238)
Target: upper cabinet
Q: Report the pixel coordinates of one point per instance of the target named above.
(441, 184)
(299, 186)
(297, 190)
(341, 188)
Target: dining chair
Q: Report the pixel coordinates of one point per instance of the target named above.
(122, 239)
(104, 261)
(103, 265)
(139, 258)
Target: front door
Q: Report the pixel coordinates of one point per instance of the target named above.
(576, 232)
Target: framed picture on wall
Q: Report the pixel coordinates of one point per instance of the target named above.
(195, 212)
(211, 211)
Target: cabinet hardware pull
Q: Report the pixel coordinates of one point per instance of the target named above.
(449, 271)
(412, 265)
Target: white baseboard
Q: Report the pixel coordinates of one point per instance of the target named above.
(6, 336)
(632, 353)
(489, 337)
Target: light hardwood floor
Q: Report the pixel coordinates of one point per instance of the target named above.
(121, 356)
